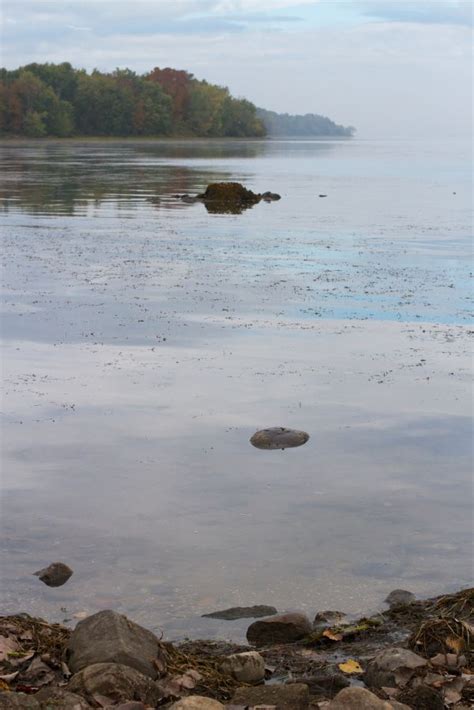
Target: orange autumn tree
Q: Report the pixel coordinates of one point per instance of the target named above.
(177, 84)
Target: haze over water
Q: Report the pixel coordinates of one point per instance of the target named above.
(145, 340)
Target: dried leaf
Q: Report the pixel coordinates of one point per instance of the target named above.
(8, 677)
(8, 646)
(332, 636)
(4, 687)
(456, 644)
(351, 666)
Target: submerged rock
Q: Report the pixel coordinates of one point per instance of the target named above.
(324, 619)
(270, 196)
(55, 575)
(243, 612)
(278, 438)
(282, 628)
(222, 197)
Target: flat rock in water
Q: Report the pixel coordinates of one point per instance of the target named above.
(243, 612)
(278, 438)
(55, 575)
(282, 628)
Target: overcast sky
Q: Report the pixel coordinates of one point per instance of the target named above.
(388, 67)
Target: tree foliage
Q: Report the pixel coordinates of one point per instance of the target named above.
(309, 124)
(57, 100)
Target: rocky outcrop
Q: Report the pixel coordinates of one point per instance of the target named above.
(247, 667)
(281, 628)
(108, 637)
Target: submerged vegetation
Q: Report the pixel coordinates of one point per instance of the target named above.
(57, 100)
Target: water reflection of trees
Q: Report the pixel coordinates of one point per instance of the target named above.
(68, 178)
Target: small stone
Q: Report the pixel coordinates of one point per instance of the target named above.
(281, 628)
(448, 660)
(399, 597)
(115, 682)
(278, 438)
(270, 196)
(326, 685)
(283, 697)
(392, 667)
(422, 697)
(243, 612)
(108, 637)
(197, 702)
(361, 699)
(55, 575)
(327, 618)
(247, 667)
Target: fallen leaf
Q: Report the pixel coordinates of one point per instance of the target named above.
(351, 666)
(454, 643)
(331, 635)
(8, 645)
(4, 687)
(8, 677)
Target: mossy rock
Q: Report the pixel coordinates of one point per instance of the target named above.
(228, 197)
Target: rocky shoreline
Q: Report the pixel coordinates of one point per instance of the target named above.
(417, 655)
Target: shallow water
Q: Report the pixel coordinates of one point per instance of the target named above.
(145, 340)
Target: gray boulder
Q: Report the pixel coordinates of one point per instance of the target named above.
(115, 682)
(108, 637)
(399, 597)
(281, 628)
(60, 699)
(247, 667)
(283, 697)
(278, 438)
(362, 699)
(18, 701)
(392, 668)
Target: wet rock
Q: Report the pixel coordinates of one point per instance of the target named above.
(18, 701)
(108, 637)
(392, 667)
(278, 438)
(327, 618)
(247, 667)
(422, 698)
(325, 685)
(399, 597)
(322, 195)
(197, 702)
(281, 628)
(270, 196)
(228, 197)
(362, 699)
(55, 575)
(60, 699)
(243, 612)
(283, 697)
(116, 682)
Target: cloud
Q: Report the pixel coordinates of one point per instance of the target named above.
(443, 12)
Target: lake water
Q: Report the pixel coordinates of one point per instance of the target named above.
(145, 340)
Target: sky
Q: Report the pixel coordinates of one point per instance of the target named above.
(391, 68)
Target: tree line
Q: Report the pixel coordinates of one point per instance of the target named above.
(309, 124)
(57, 100)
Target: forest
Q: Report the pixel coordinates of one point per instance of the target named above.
(309, 124)
(57, 100)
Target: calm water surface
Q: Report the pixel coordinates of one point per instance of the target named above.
(145, 340)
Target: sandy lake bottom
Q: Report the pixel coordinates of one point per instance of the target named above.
(145, 341)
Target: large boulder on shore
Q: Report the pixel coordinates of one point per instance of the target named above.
(392, 668)
(362, 699)
(247, 667)
(281, 628)
(108, 637)
(115, 682)
(282, 697)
